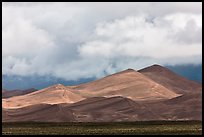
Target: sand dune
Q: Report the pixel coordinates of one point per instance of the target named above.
(93, 109)
(171, 80)
(185, 107)
(101, 109)
(128, 83)
(153, 93)
(52, 95)
(11, 93)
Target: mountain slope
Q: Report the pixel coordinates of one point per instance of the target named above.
(128, 83)
(37, 112)
(185, 107)
(89, 110)
(11, 93)
(153, 93)
(101, 109)
(52, 95)
(171, 80)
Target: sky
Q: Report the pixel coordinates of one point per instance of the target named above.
(73, 41)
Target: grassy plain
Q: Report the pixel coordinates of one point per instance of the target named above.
(106, 128)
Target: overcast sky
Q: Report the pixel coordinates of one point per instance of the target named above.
(82, 40)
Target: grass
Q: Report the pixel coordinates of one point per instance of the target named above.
(108, 128)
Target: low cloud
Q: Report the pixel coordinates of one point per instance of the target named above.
(80, 40)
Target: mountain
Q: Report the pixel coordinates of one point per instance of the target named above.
(37, 112)
(97, 109)
(185, 107)
(11, 82)
(102, 109)
(128, 83)
(11, 93)
(55, 94)
(153, 93)
(171, 80)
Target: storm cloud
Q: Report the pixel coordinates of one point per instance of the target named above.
(84, 40)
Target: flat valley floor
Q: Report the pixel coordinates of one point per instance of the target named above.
(106, 128)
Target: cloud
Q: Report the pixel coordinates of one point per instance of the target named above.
(84, 40)
(136, 37)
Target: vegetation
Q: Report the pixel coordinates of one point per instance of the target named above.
(110, 128)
